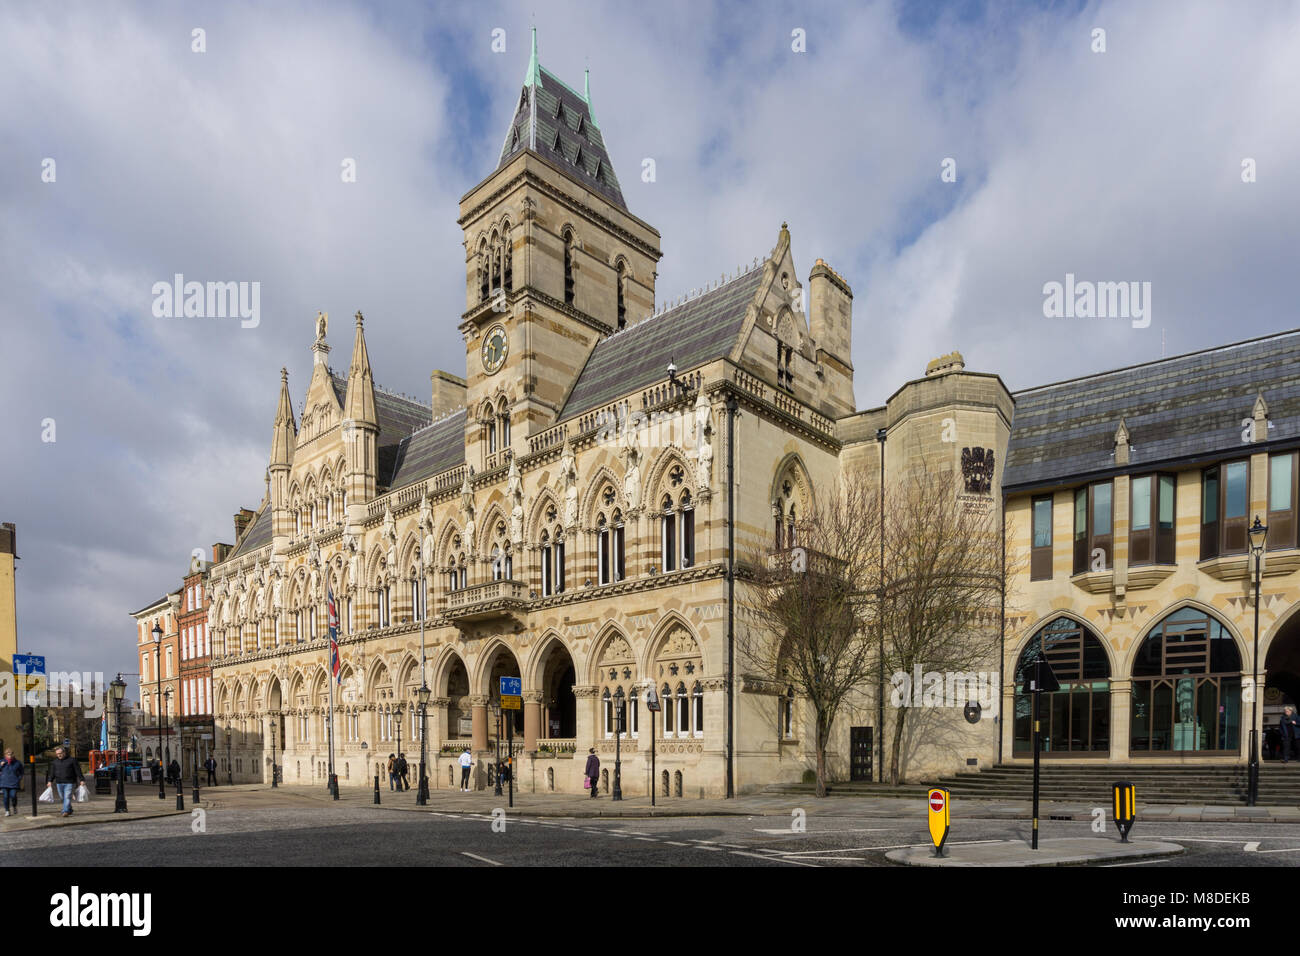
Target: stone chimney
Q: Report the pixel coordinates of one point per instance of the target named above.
(242, 518)
(952, 362)
(448, 392)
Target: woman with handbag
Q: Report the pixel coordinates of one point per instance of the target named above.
(11, 778)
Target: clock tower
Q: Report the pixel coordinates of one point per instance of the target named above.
(554, 262)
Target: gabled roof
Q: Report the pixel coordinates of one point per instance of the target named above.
(1183, 407)
(396, 415)
(161, 602)
(537, 127)
(698, 331)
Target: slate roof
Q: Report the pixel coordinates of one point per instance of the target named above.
(593, 167)
(430, 451)
(257, 536)
(161, 600)
(698, 331)
(1185, 407)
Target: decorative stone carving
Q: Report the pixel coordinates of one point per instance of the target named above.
(517, 525)
(632, 480)
(617, 650)
(571, 506)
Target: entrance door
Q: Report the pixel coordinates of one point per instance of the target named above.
(860, 753)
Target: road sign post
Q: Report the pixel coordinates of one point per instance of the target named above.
(652, 705)
(1040, 679)
(1125, 804)
(939, 803)
(512, 698)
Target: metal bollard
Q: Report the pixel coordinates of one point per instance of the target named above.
(376, 788)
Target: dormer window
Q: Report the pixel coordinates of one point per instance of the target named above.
(514, 140)
(577, 160)
(559, 109)
(582, 126)
(600, 171)
(556, 144)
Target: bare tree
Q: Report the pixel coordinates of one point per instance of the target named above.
(811, 609)
(944, 586)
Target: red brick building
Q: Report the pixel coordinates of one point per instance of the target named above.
(194, 690)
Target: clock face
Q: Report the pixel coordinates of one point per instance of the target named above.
(495, 346)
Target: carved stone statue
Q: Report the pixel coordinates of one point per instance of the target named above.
(426, 514)
(322, 325)
(568, 465)
(571, 506)
(277, 593)
(517, 525)
(706, 462)
(514, 482)
(390, 525)
(702, 415)
(354, 566)
(632, 481)
(467, 493)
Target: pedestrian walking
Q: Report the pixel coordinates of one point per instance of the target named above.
(466, 761)
(592, 771)
(65, 773)
(392, 771)
(1289, 725)
(210, 765)
(403, 772)
(174, 772)
(11, 778)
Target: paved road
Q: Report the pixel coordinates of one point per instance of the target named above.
(315, 834)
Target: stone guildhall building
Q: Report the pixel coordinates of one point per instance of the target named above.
(563, 512)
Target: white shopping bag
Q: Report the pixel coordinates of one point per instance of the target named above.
(47, 796)
(82, 793)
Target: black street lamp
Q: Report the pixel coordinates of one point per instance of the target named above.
(422, 792)
(1258, 535)
(619, 713)
(274, 770)
(118, 687)
(230, 774)
(496, 712)
(397, 718)
(157, 702)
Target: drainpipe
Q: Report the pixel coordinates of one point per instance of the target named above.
(1002, 626)
(731, 406)
(881, 434)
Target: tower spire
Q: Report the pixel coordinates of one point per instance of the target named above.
(282, 443)
(534, 75)
(586, 95)
(359, 404)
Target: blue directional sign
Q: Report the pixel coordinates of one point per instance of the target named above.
(511, 686)
(31, 664)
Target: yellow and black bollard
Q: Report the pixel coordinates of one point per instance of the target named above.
(939, 802)
(1125, 805)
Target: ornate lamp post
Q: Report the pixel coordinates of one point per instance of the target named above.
(274, 770)
(157, 701)
(397, 719)
(230, 775)
(118, 688)
(1258, 535)
(422, 792)
(619, 713)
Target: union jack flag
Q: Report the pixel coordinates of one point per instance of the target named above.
(336, 668)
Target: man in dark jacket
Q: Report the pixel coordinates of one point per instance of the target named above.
(1289, 725)
(11, 778)
(403, 771)
(65, 773)
(210, 765)
(174, 772)
(593, 770)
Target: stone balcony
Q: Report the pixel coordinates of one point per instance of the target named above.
(485, 601)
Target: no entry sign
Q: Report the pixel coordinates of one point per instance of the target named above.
(939, 801)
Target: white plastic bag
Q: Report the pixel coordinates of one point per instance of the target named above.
(47, 796)
(82, 793)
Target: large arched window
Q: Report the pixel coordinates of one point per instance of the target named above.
(1186, 687)
(622, 294)
(1076, 718)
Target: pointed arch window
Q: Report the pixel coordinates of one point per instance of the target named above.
(697, 710)
(622, 288)
(484, 290)
(688, 530)
(607, 709)
(1075, 718)
(496, 262)
(666, 699)
(668, 535)
(503, 416)
(568, 263)
(683, 712)
(508, 258)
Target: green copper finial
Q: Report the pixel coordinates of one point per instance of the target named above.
(586, 95)
(534, 75)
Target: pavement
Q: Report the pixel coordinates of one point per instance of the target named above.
(143, 803)
(1059, 852)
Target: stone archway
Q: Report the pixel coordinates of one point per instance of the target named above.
(1281, 682)
(557, 676)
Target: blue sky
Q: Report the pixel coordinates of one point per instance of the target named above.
(224, 165)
